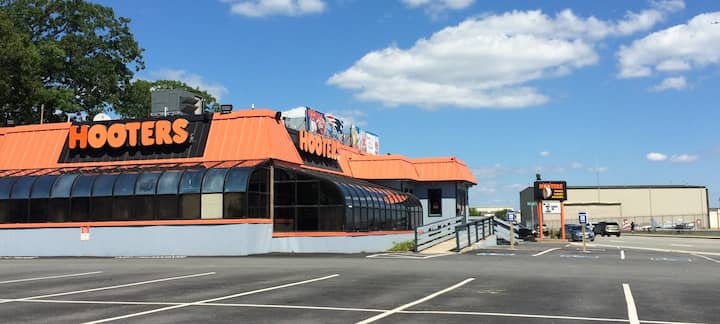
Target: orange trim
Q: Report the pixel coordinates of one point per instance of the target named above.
(140, 223)
(325, 234)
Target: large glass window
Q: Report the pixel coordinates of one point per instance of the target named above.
(147, 183)
(191, 180)
(101, 202)
(214, 180)
(80, 200)
(5, 188)
(168, 183)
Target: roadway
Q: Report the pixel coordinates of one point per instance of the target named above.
(535, 283)
(670, 244)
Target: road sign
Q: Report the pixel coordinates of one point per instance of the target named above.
(510, 216)
(84, 233)
(582, 217)
(531, 203)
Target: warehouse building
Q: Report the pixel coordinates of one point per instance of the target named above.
(661, 206)
(212, 184)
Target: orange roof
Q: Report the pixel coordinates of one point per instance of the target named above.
(249, 135)
(382, 167)
(238, 136)
(397, 167)
(443, 169)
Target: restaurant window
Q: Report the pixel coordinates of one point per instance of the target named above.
(19, 200)
(166, 202)
(235, 196)
(101, 201)
(40, 199)
(435, 202)
(125, 204)
(5, 187)
(80, 198)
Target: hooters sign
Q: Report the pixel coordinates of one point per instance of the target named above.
(128, 134)
(318, 145)
(550, 190)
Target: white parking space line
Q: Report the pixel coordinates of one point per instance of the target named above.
(706, 258)
(495, 254)
(547, 251)
(421, 300)
(658, 250)
(632, 310)
(212, 300)
(108, 287)
(579, 256)
(622, 254)
(363, 310)
(51, 277)
(671, 259)
(682, 245)
(616, 241)
(412, 256)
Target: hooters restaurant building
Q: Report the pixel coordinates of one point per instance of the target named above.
(216, 184)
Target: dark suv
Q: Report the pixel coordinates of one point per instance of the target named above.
(607, 229)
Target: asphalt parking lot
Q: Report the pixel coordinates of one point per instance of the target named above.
(535, 283)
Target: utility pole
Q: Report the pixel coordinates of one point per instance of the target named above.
(42, 113)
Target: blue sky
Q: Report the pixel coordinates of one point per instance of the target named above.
(608, 92)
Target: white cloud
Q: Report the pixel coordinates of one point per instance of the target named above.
(490, 172)
(576, 165)
(544, 153)
(487, 61)
(435, 7)
(684, 158)
(675, 83)
(655, 156)
(598, 169)
(679, 48)
(263, 8)
(193, 80)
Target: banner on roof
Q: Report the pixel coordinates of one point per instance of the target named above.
(364, 141)
(372, 143)
(316, 122)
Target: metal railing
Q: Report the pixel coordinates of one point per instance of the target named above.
(473, 232)
(435, 233)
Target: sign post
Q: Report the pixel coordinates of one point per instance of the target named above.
(582, 219)
(511, 220)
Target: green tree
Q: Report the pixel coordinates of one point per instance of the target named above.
(136, 101)
(86, 57)
(19, 72)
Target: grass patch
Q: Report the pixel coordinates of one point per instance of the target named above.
(403, 246)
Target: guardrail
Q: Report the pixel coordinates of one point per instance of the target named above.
(437, 232)
(473, 232)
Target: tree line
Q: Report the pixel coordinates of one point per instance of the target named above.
(68, 56)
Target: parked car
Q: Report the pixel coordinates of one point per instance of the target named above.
(524, 233)
(573, 232)
(607, 229)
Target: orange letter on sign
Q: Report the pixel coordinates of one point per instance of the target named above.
(132, 130)
(116, 135)
(162, 132)
(179, 127)
(77, 137)
(97, 136)
(146, 133)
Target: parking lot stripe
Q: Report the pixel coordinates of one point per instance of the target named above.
(656, 249)
(622, 254)
(211, 300)
(632, 310)
(546, 251)
(408, 305)
(558, 317)
(706, 258)
(51, 277)
(108, 287)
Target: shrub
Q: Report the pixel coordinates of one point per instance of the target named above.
(403, 246)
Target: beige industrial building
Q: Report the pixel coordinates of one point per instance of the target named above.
(646, 206)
